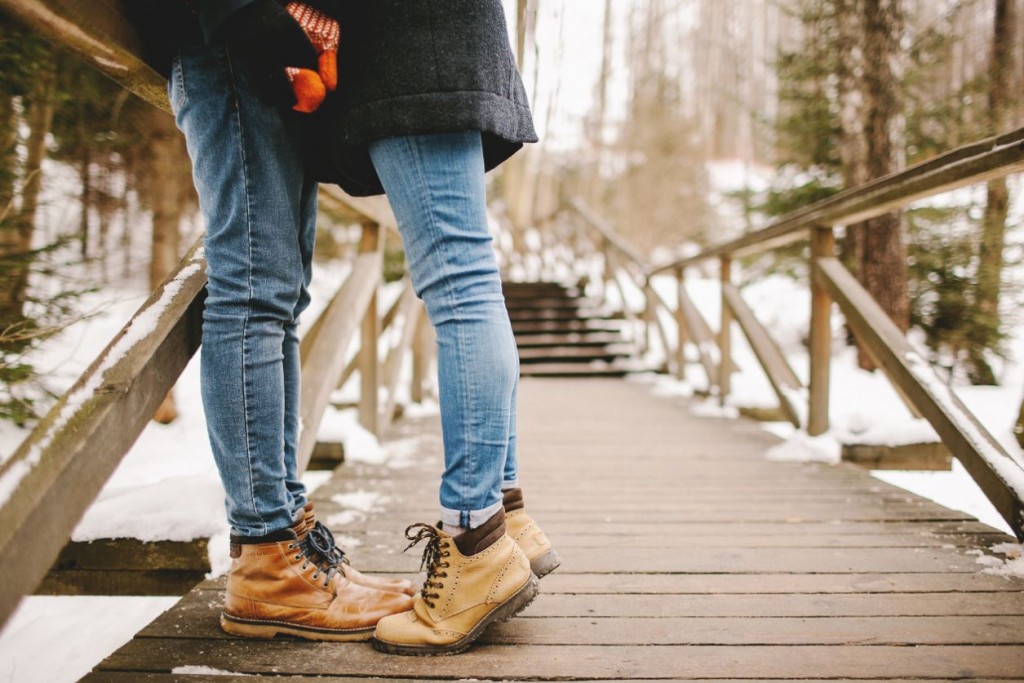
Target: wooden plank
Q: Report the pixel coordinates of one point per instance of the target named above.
(59, 469)
(410, 310)
(974, 163)
(324, 364)
(573, 662)
(138, 677)
(198, 619)
(789, 584)
(780, 605)
(724, 379)
(998, 475)
(100, 34)
(820, 337)
(699, 333)
(900, 631)
(781, 377)
(683, 334)
(371, 243)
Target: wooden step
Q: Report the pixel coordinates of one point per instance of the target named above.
(544, 314)
(555, 291)
(593, 369)
(574, 354)
(553, 304)
(523, 327)
(580, 339)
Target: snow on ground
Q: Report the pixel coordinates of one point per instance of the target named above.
(865, 409)
(60, 639)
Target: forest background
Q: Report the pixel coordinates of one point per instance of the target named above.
(638, 102)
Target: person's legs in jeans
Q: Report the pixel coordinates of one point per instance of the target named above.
(476, 573)
(436, 187)
(260, 211)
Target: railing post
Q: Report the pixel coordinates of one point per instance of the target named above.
(422, 355)
(724, 330)
(822, 246)
(682, 333)
(369, 365)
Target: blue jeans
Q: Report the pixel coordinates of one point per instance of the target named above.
(260, 211)
(436, 187)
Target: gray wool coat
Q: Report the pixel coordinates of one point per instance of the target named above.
(408, 67)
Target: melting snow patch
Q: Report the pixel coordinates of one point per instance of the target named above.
(358, 501)
(712, 409)
(428, 408)
(803, 448)
(342, 426)
(193, 670)
(1012, 563)
(340, 519)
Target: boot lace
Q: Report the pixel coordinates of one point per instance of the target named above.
(325, 540)
(433, 559)
(314, 550)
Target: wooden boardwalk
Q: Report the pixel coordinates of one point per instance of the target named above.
(686, 555)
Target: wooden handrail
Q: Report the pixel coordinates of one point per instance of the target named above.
(98, 31)
(967, 165)
(57, 472)
(999, 475)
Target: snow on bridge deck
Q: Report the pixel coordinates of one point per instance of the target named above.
(686, 555)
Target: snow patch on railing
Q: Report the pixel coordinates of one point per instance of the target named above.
(139, 328)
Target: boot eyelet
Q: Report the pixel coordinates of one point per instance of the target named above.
(291, 546)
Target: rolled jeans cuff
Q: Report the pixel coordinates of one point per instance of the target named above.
(468, 519)
(509, 484)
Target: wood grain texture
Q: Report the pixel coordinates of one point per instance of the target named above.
(686, 556)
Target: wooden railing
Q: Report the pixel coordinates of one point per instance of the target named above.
(999, 475)
(60, 468)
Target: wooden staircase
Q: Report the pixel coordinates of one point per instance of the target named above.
(560, 333)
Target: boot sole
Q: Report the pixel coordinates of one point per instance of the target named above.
(519, 601)
(546, 563)
(269, 628)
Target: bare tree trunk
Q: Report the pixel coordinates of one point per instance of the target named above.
(85, 175)
(1018, 429)
(8, 223)
(20, 228)
(165, 161)
(984, 333)
(883, 264)
(853, 144)
(594, 184)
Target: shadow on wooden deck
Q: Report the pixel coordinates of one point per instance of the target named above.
(686, 555)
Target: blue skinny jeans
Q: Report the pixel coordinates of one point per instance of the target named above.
(436, 187)
(260, 211)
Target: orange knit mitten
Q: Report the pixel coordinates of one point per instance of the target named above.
(311, 87)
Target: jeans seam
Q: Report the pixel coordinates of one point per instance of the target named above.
(456, 313)
(248, 308)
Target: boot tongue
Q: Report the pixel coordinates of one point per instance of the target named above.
(512, 500)
(474, 540)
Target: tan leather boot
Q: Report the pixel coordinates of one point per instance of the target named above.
(277, 585)
(309, 524)
(525, 532)
(473, 580)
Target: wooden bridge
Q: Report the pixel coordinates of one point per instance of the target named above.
(686, 554)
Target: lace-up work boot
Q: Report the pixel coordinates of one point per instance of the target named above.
(473, 580)
(309, 524)
(280, 585)
(525, 532)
